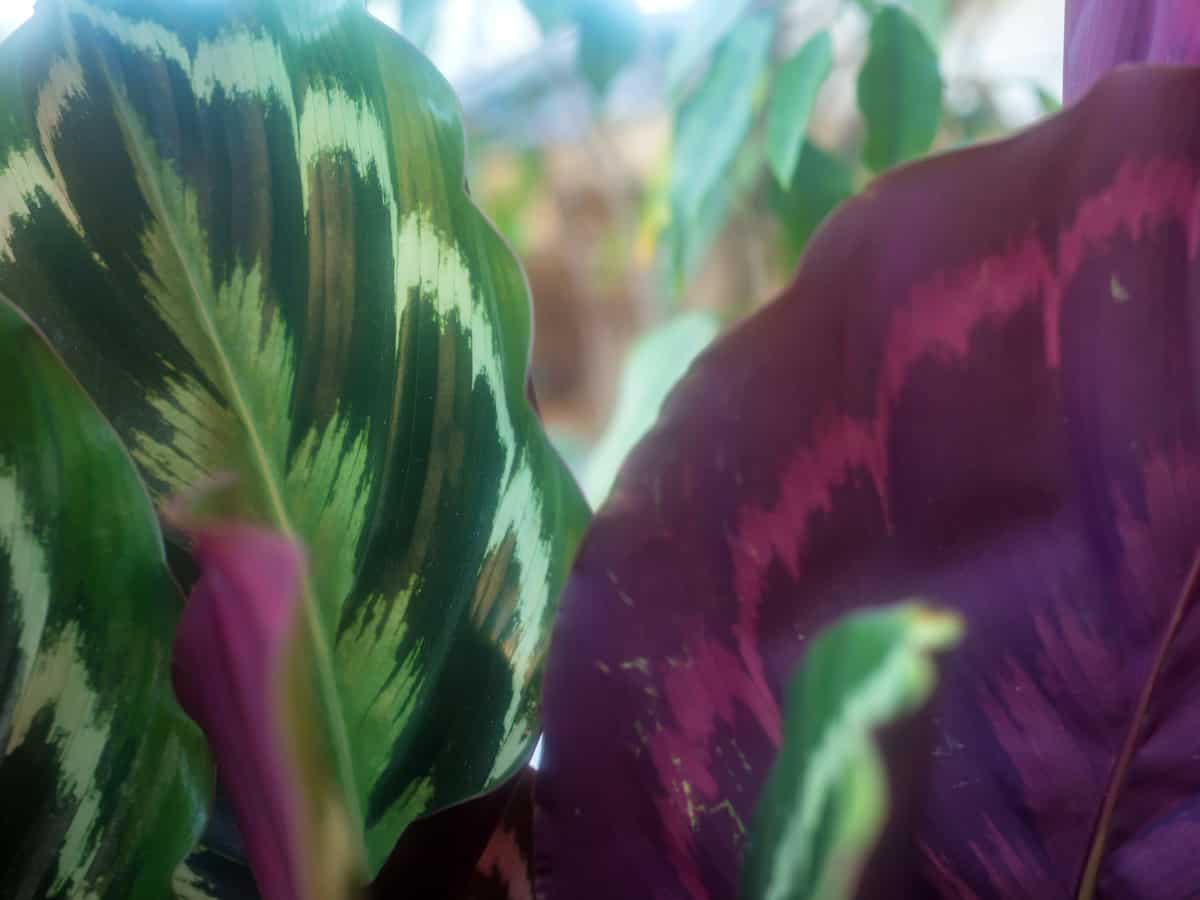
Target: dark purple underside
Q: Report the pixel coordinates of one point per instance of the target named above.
(981, 390)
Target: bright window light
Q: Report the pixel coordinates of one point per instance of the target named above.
(663, 7)
(13, 13)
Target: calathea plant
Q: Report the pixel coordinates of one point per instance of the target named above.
(236, 246)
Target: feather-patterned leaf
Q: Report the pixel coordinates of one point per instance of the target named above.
(103, 779)
(244, 225)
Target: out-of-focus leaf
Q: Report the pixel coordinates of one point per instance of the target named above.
(709, 23)
(821, 181)
(478, 850)
(899, 90)
(711, 126)
(242, 673)
(609, 36)
(793, 93)
(930, 15)
(1101, 34)
(978, 389)
(104, 780)
(550, 14)
(657, 361)
(689, 240)
(244, 226)
(417, 20)
(1047, 101)
(825, 802)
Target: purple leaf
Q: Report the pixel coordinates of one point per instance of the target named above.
(1102, 34)
(239, 673)
(981, 390)
(477, 850)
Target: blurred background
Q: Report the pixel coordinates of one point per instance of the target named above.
(659, 165)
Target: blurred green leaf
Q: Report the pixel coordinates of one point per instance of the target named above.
(796, 84)
(821, 181)
(609, 36)
(710, 21)
(690, 240)
(930, 14)
(712, 124)
(550, 14)
(657, 361)
(1047, 101)
(826, 800)
(417, 20)
(899, 90)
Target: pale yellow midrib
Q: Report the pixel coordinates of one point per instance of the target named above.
(324, 655)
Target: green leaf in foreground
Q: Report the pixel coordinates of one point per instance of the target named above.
(899, 90)
(104, 780)
(825, 801)
(244, 226)
(795, 90)
(657, 361)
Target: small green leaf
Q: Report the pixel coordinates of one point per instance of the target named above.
(795, 90)
(712, 125)
(709, 23)
(104, 779)
(820, 182)
(658, 360)
(825, 801)
(899, 90)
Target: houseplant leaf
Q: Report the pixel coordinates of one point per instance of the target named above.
(978, 391)
(103, 777)
(825, 802)
(657, 360)
(244, 226)
(241, 672)
(792, 96)
(899, 90)
(478, 850)
(1101, 34)
(711, 126)
(707, 26)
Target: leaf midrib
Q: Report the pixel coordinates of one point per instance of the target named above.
(323, 653)
(1090, 873)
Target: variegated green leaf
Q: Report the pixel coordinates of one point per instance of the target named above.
(104, 780)
(244, 225)
(825, 801)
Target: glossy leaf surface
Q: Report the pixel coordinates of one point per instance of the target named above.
(899, 90)
(826, 800)
(244, 225)
(104, 779)
(979, 390)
